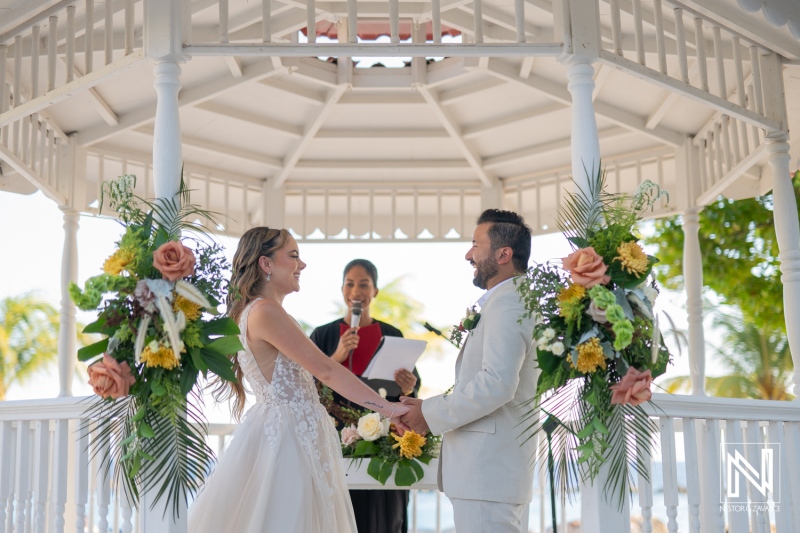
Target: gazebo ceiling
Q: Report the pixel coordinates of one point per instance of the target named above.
(454, 122)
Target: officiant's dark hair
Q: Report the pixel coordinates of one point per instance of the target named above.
(367, 265)
(509, 229)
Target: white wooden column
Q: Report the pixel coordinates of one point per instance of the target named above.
(597, 514)
(492, 197)
(787, 229)
(163, 43)
(688, 165)
(67, 332)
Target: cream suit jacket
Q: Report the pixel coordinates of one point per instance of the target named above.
(483, 456)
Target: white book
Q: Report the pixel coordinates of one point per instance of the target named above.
(393, 354)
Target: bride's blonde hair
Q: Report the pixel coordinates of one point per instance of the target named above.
(246, 284)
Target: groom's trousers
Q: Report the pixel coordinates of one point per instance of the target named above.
(478, 516)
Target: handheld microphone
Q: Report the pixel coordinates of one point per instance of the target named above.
(355, 318)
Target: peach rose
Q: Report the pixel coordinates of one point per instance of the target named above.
(633, 389)
(586, 267)
(350, 435)
(110, 378)
(174, 260)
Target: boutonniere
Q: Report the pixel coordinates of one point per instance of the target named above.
(467, 323)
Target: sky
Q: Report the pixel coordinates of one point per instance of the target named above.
(436, 274)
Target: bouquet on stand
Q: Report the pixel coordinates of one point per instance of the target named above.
(598, 341)
(157, 305)
(366, 435)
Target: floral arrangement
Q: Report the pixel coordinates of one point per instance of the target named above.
(157, 304)
(466, 325)
(598, 342)
(366, 435)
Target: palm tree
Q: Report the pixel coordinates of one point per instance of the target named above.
(28, 338)
(758, 361)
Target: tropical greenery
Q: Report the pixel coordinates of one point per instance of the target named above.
(29, 329)
(28, 339)
(157, 303)
(740, 256)
(598, 342)
(757, 361)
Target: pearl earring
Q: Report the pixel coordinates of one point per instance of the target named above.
(268, 276)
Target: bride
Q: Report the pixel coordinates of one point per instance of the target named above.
(282, 471)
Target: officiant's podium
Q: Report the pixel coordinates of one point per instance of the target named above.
(359, 479)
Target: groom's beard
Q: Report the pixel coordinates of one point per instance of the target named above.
(485, 270)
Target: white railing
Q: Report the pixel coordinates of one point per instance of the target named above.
(734, 85)
(50, 483)
(705, 425)
(52, 53)
(271, 28)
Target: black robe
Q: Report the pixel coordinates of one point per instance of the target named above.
(376, 511)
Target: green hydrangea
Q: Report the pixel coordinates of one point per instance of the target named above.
(623, 332)
(90, 297)
(615, 314)
(191, 335)
(602, 297)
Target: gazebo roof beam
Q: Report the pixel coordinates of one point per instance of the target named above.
(452, 127)
(98, 103)
(449, 69)
(383, 164)
(546, 148)
(464, 22)
(406, 98)
(216, 148)
(282, 84)
(145, 159)
(310, 131)
(454, 95)
(381, 134)
(560, 94)
(669, 100)
(196, 94)
(341, 188)
(250, 118)
(475, 130)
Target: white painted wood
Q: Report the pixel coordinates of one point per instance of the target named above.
(660, 45)
(41, 453)
(108, 32)
(755, 65)
(712, 191)
(81, 475)
(7, 467)
(616, 27)
(453, 129)
(722, 90)
(70, 45)
(311, 22)
(670, 472)
(784, 522)
(35, 61)
(727, 156)
(68, 326)
(700, 47)
(680, 39)
(22, 479)
(737, 518)
(477, 10)
(792, 435)
(129, 29)
(692, 465)
(693, 277)
(102, 482)
(223, 21)
(710, 507)
(167, 159)
(645, 492)
(519, 16)
(52, 50)
(638, 31)
(88, 58)
(585, 137)
(60, 470)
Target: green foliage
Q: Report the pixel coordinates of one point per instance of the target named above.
(740, 251)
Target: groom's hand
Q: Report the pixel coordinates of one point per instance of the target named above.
(414, 418)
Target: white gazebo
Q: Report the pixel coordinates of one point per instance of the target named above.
(275, 117)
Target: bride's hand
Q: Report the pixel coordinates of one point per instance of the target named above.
(399, 410)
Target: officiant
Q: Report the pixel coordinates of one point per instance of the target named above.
(376, 511)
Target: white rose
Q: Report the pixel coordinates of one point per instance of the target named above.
(371, 428)
(549, 333)
(597, 314)
(557, 348)
(385, 425)
(651, 294)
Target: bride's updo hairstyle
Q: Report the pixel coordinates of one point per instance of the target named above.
(247, 281)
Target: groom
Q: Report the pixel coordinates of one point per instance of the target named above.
(485, 467)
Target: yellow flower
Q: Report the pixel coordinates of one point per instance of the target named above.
(633, 258)
(162, 357)
(573, 293)
(118, 261)
(410, 444)
(190, 309)
(590, 356)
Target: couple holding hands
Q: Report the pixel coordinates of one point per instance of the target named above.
(283, 471)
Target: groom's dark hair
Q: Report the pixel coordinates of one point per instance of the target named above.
(509, 229)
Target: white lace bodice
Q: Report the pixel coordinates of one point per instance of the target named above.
(291, 386)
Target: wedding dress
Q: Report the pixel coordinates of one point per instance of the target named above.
(282, 472)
